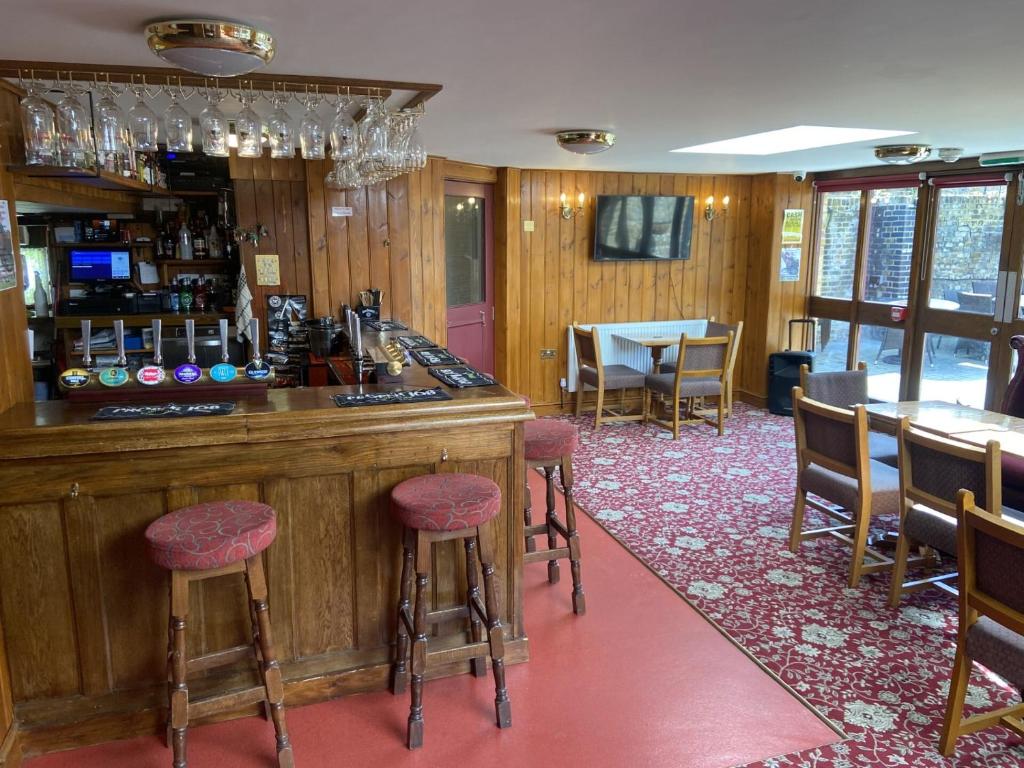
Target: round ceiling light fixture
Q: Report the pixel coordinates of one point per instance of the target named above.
(902, 154)
(586, 142)
(210, 47)
(950, 154)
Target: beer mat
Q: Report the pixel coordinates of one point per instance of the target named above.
(461, 376)
(386, 325)
(165, 411)
(437, 356)
(391, 398)
(415, 342)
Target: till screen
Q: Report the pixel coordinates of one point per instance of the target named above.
(90, 266)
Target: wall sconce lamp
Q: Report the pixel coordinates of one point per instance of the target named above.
(709, 208)
(567, 210)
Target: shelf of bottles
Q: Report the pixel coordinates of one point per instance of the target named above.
(384, 143)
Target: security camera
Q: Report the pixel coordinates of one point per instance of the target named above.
(799, 175)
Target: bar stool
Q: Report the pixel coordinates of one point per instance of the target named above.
(549, 444)
(435, 508)
(202, 542)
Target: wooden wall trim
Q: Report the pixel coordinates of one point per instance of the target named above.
(480, 174)
(11, 748)
(507, 277)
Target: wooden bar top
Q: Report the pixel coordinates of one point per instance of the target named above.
(58, 428)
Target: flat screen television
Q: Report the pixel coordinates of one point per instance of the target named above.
(643, 227)
(94, 266)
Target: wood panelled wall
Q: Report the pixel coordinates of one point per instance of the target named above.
(552, 280)
(394, 239)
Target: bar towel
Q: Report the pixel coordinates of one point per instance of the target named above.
(243, 307)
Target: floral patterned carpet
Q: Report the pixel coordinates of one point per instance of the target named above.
(711, 515)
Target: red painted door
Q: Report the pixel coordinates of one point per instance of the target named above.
(469, 271)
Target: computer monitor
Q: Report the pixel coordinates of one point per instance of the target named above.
(100, 266)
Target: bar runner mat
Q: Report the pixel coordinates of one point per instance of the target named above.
(461, 376)
(438, 356)
(415, 342)
(391, 398)
(165, 411)
(386, 325)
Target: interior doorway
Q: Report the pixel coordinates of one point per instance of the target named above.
(469, 271)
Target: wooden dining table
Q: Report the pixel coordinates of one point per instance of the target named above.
(959, 422)
(657, 345)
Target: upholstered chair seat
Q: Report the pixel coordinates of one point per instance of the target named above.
(843, 490)
(615, 377)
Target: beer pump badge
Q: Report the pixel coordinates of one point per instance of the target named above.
(151, 375)
(187, 373)
(224, 372)
(114, 377)
(74, 378)
(257, 370)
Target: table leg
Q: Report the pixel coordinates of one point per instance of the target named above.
(656, 359)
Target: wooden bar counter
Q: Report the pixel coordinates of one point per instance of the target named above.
(84, 612)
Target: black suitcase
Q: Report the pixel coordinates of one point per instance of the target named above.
(784, 372)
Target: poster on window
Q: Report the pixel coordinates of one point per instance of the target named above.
(793, 226)
(789, 264)
(8, 275)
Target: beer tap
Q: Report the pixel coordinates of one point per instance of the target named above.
(76, 378)
(117, 374)
(257, 369)
(223, 371)
(189, 372)
(153, 375)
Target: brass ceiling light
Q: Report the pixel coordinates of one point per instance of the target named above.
(902, 154)
(585, 142)
(211, 47)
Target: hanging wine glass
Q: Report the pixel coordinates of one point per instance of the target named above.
(416, 154)
(113, 141)
(279, 127)
(248, 127)
(344, 133)
(143, 124)
(373, 138)
(177, 123)
(39, 125)
(213, 124)
(312, 133)
(74, 130)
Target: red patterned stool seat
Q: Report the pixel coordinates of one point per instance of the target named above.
(445, 502)
(211, 535)
(549, 439)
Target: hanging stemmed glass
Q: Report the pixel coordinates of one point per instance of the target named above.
(74, 128)
(177, 120)
(415, 153)
(213, 124)
(373, 139)
(344, 133)
(248, 126)
(312, 133)
(113, 141)
(279, 127)
(39, 126)
(143, 124)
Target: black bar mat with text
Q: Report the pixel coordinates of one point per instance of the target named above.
(436, 356)
(386, 325)
(165, 411)
(391, 398)
(461, 376)
(415, 342)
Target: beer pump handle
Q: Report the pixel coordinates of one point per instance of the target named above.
(254, 334)
(86, 342)
(224, 357)
(190, 339)
(122, 360)
(357, 339)
(158, 358)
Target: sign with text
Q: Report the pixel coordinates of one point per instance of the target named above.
(268, 269)
(341, 210)
(793, 226)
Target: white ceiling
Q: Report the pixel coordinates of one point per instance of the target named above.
(662, 74)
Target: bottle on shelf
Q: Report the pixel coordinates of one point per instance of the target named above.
(42, 308)
(199, 295)
(199, 245)
(184, 242)
(213, 243)
(175, 296)
(186, 296)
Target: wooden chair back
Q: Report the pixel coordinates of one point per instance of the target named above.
(723, 329)
(933, 469)
(831, 437)
(703, 357)
(588, 351)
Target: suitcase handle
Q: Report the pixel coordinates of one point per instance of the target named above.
(803, 321)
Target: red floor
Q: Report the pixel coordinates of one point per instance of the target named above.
(640, 680)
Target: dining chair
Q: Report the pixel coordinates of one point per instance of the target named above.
(590, 371)
(845, 389)
(700, 372)
(932, 470)
(833, 465)
(720, 329)
(990, 550)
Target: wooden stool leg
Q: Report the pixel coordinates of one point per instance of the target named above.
(257, 584)
(414, 736)
(579, 603)
(553, 571)
(179, 667)
(254, 622)
(531, 545)
(477, 665)
(399, 670)
(168, 735)
(502, 705)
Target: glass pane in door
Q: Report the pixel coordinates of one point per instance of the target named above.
(892, 215)
(838, 227)
(881, 347)
(465, 265)
(830, 342)
(955, 369)
(967, 245)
